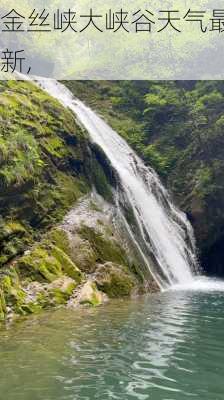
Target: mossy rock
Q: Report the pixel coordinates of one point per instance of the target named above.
(30, 308)
(13, 237)
(83, 254)
(14, 296)
(114, 280)
(68, 267)
(90, 295)
(39, 265)
(100, 179)
(43, 165)
(105, 248)
(47, 262)
(76, 249)
(59, 237)
(61, 290)
(45, 276)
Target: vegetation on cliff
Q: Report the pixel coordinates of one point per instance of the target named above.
(46, 165)
(42, 154)
(178, 129)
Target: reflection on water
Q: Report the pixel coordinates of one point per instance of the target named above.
(167, 346)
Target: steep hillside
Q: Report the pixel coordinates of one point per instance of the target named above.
(47, 165)
(42, 172)
(177, 128)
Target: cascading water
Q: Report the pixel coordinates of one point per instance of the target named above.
(165, 237)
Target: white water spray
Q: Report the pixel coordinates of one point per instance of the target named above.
(165, 237)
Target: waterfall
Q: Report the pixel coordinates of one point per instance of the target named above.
(163, 236)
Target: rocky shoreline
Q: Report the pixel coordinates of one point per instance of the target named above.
(83, 261)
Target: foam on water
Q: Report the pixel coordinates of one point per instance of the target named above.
(201, 284)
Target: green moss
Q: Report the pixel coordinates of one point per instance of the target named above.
(10, 228)
(39, 265)
(90, 295)
(59, 238)
(2, 305)
(105, 249)
(51, 267)
(42, 172)
(55, 147)
(100, 181)
(47, 262)
(84, 256)
(13, 236)
(15, 296)
(30, 308)
(67, 266)
(68, 190)
(61, 296)
(69, 258)
(43, 300)
(54, 274)
(115, 280)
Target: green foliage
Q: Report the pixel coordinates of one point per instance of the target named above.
(178, 129)
(204, 179)
(155, 158)
(163, 97)
(42, 171)
(20, 158)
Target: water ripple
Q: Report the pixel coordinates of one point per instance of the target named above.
(163, 347)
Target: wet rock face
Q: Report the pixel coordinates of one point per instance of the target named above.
(47, 165)
(90, 295)
(43, 153)
(84, 261)
(213, 259)
(115, 280)
(99, 249)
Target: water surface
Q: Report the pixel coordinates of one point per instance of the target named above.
(163, 347)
